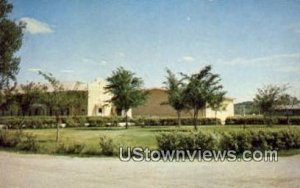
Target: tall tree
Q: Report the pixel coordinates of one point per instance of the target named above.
(267, 98)
(175, 90)
(11, 34)
(127, 90)
(56, 99)
(200, 89)
(31, 93)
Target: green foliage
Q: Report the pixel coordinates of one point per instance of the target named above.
(186, 141)
(260, 140)
(31, 94)
(202, 89)
(11, 34)
(267, 98)
(106, 145)
(175, 90)
(173, 121)
(20, 140)
(259, 120)
(8, 139)
(40, 122)
(29, 143)
(75, 148)
(126, 89)
(238, 141)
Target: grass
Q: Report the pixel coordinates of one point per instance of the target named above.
(134, 136)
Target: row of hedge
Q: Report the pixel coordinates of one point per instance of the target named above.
(238, 141)
(14, 122)
(259, 120)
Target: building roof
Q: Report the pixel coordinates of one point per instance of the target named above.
(288, 107)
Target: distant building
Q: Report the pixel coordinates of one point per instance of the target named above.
(291, 110)
(154, 107)
(95, 101)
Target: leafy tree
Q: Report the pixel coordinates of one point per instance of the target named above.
(267, 98)
(7, 98)
(56, 99)
(11, 34)
(126, 89)
(216, 102)
(31, 93)
(200, 90)
(175, 90)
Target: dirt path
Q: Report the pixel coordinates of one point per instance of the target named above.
(19, 170)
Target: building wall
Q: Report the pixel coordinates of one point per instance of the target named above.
(226, 110)
(153, 107)
(98, 104)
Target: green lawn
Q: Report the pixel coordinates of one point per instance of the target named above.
(134, 136)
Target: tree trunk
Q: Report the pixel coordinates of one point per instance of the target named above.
(196, 111)
(57, 128)
(178, 118)
(126, 118)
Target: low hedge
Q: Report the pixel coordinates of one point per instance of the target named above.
(174, 121)
(238, 141)
(259, 120)
(17, 122)
(186, 141)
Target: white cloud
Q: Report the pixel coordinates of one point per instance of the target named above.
(34, 26)
(121, 54)
(188, 18)
(187, 59)
(66, 71)
(103, 62)
(92, 61)
(268, 59)
(281, 62)
(34, 69)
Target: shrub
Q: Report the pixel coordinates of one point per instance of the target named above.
(259, 120)
(106, 145)
(8, 139)
(28, 143)
(186, 141)
(205, 141)
(75, 148)
(260, 140)
(167, 141)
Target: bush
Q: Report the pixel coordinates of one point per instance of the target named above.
(259, 120)
(186, 141)
(8, 139)
(260, 140)
(106, 145)
(174, 121)
(75, 148)
(28, 143)
(238, 141)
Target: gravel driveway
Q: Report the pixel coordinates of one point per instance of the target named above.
(26, 170)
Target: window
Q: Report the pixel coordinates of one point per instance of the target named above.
(100, 110)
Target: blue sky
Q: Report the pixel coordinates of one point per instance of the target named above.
(249, 43)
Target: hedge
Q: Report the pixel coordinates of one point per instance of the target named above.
(259, 120)
(174, 121)
(238, 141)
(15, 122)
